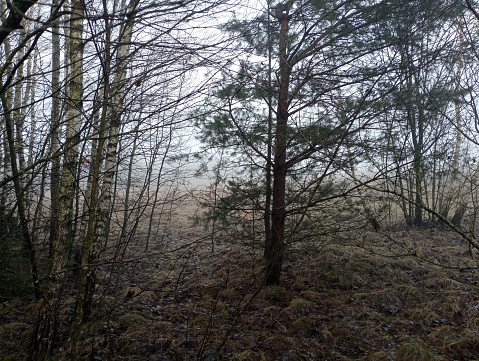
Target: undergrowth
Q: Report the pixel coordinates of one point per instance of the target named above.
(343, 302)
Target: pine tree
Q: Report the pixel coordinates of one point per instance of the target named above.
(319, 48)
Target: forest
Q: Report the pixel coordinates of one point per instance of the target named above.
(239, 180)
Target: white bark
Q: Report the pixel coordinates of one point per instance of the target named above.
(457, 148)
(45, 328)
(99, 206)
(17, 106)
(118, 93)
(7, 192)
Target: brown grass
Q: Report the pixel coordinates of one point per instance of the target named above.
(340, 303)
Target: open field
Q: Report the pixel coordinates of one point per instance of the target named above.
(366, 299)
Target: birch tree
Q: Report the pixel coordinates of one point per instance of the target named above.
(100, 199)
(93, 106)
(46, 325)
(14, 99)
(7, 51)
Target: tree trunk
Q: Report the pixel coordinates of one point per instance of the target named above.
(20, 195)
(156, 193)
(278, 213)
(46, 325)
(17, 115)
(87, 272)
(7, 194)
(55, 129)
(416, 124)
(267, 203)
(96, 222)
(11, 166)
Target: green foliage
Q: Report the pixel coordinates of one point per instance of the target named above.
(219, 131)
(255, 33)
(238, 199)
(362, 79)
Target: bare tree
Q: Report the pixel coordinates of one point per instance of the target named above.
(46, 324)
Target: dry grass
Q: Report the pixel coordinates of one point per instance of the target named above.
(342, 302)
(415, 350)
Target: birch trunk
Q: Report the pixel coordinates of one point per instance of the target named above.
(96, 221)
(457, 81)
(87, 272)
(46, 325)
(7, 194)
(18, 119)
(30, 96)
(11, 165)
(118, 93)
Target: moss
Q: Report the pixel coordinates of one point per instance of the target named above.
(243, 356)
(131, 320)
(311, 295)
(376, 356)
(272, 293)
(300, 306)
(421, 314)
(416, 350)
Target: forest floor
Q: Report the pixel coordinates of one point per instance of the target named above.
(376, 300)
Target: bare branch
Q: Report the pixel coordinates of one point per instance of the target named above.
(17, 8)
